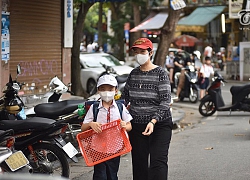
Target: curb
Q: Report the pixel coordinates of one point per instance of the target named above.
(180, 105)
(181, 115)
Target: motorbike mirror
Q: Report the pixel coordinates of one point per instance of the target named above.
(191, 68)
(69, 84)
(10, 80)
(216, 73)
(18, 70)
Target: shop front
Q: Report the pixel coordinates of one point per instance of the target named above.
(36, 42)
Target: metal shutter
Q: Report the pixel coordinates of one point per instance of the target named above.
(36, 41)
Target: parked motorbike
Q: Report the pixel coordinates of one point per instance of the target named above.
(41, 142)
(121, 79)
(213, 100)
(10, 159)
(57, 88)
(52, 108)
(39, 138)
(191, 88)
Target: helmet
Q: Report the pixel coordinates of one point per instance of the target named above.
(14, 105)
(197, 53)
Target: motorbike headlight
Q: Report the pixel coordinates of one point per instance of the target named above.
(16, 86)
(193, 80)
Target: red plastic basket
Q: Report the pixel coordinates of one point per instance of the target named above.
(99, 147)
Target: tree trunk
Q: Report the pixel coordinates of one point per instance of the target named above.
(75, 62)
(119, 35)
(100, 25)
(166, 37)
(137, 20)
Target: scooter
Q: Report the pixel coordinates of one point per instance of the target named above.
(35, 133)
(10, 159)
(213, 100)
(57, 88)
(52, 108)
(41, 142)
(12, 106)
(191, 87)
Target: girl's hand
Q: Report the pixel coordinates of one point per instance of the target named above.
(123, 124)
(149, 129)
(96, 126)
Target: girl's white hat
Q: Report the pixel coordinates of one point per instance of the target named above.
(107, 79)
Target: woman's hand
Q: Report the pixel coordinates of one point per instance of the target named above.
(96, 126)
(149, 129)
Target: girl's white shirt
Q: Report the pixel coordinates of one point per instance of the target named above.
(102, 114)
(207, 70)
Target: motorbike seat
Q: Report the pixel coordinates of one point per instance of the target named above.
(55, 109)
(236, 89)
(122, 79)
(3, 133)
(36, 123)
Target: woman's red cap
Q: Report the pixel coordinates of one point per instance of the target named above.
(143, 43)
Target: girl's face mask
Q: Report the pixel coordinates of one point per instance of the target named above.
(107, 95)
(142, 58)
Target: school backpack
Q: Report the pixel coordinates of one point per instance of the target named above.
(96, 104)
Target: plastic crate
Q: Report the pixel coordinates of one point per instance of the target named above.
(99, 147)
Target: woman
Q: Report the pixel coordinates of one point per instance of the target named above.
(149, 93)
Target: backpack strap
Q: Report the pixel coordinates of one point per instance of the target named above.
(96, 110)
(120, 107)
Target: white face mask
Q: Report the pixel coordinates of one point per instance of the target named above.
(107, 95)
(141, 58)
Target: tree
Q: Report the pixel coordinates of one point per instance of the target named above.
(100, 42)
(167, 35)
(75, 51)
(137, 19)
(82, 6)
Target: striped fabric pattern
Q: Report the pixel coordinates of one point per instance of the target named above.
(149, 94)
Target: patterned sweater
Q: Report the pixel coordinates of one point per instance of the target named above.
(149, 94)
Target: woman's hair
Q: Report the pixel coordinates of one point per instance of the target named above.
(149, 49)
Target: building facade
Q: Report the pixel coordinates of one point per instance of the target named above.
(36, 40)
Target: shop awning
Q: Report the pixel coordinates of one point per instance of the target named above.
(201, 16)
(152, 23)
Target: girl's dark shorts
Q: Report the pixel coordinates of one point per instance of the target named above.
(205, 84)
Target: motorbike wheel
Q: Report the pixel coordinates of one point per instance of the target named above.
(72, 131)
(194, 98)
(207, 108)
(51, 160)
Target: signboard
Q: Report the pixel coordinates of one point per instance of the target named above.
(126, 30)
(244, 59)
(234, 7)
(177, 4)
(5, 36)
(68, 23)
